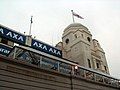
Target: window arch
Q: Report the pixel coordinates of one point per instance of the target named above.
(88, 38)
(67, 41)
(75, 35)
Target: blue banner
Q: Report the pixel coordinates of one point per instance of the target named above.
(12, 35)
(4, 50)
(46, 48)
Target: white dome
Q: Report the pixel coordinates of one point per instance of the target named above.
(76, 25)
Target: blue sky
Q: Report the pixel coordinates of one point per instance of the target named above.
(50, 17)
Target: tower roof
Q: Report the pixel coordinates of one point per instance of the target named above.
(76, 25)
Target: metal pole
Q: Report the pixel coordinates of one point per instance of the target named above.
(71, 73)
(30, 25)
(14, 54)
(72, 16)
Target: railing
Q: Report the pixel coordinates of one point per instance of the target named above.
(45, 62)
(96, 77)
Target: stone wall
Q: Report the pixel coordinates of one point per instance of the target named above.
(18, 75)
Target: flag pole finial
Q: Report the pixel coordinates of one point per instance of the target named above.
(72, 16)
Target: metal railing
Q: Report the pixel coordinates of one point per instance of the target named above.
(62, 67)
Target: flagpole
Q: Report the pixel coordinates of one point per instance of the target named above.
(30, 25)
(72, 16)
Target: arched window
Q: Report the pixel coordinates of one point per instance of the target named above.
(97, 64)
(67, 41)
(89, 63)
(75, 35)
(88, 38)
(82, 35)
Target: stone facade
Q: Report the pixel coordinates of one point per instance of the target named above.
(77, 45)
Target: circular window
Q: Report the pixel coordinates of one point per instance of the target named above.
(88, 39)
(67, 41)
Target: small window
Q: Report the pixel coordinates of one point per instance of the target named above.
(67, 41)
(75, 49)
(82, 35)
(4, 41)
(88, 38)
(75, 35)
(89, 63)
(98, 44)
(97, 64)
(105, 68)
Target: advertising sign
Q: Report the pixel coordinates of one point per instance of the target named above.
(12, 35)
(4, 50)
(46, 48)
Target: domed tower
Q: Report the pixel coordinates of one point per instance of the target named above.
(77, 45)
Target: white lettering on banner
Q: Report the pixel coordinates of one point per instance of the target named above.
(1, 30)
(15, 36)
(9, 34)
(54, 51)
(12, 35)
(20, 38)
(40, 45)
(35, 44)
(4, 50)
(58, 53)
(44, 47)
(50, 50)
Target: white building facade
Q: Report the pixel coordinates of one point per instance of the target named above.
(77, 45)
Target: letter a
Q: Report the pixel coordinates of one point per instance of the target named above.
(9, 34)
(1, 30)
